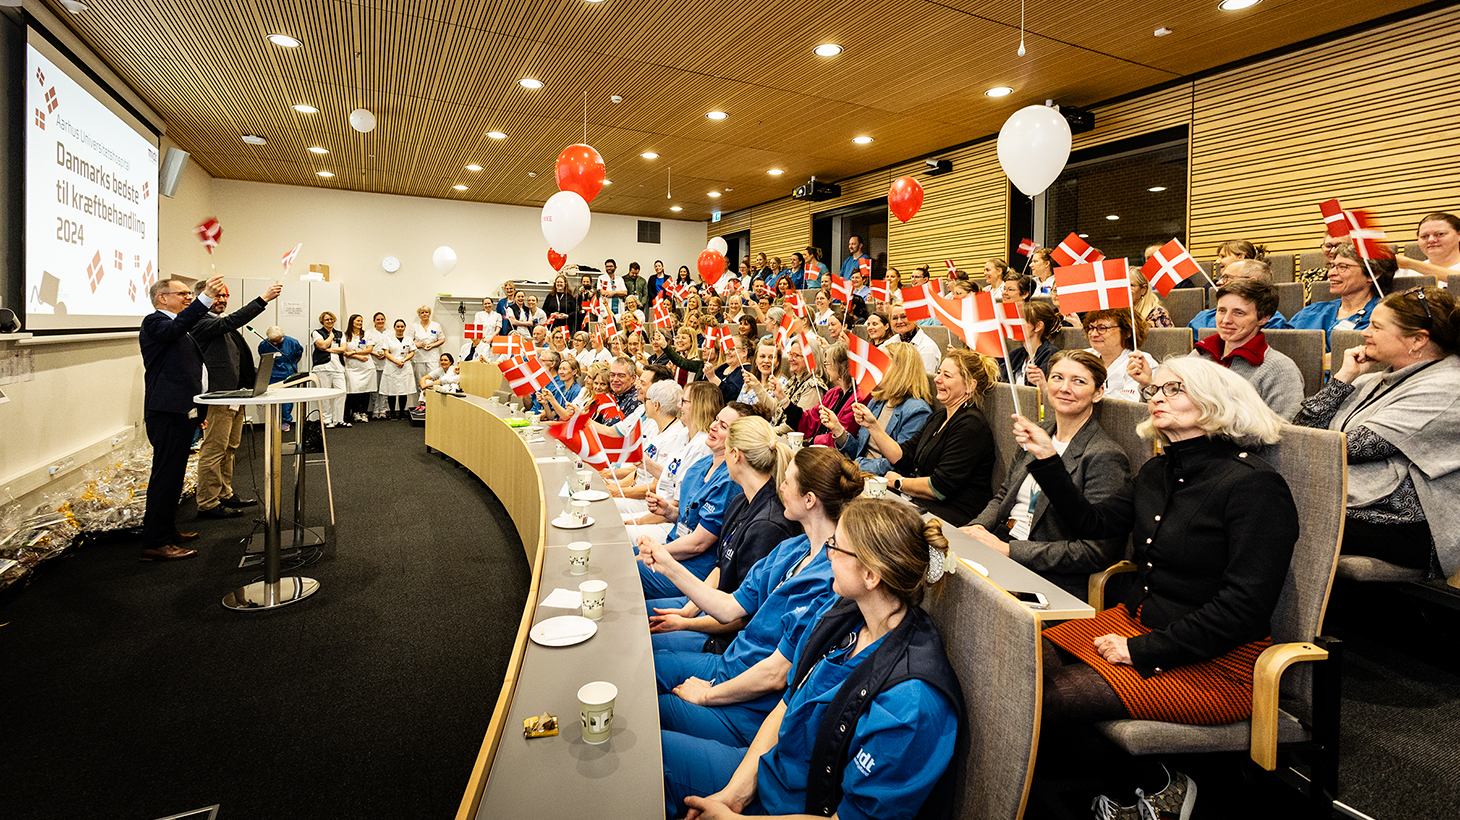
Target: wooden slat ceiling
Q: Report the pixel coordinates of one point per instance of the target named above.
(440, 74)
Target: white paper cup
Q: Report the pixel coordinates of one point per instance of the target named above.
(562, 449)
(595, 709)
(795, 440)
(578, 552)
(595, 594)
(876, 486)
(581, 480)
(580, 512)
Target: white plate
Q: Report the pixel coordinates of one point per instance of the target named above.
(566, 523)
(590, 495)
(976, 567)
(564, 630)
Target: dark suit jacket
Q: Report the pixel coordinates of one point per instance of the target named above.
(1100, 469)
(958, 460)
(172, 360)
(220, 340)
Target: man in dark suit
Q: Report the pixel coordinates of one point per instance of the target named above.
(174, 374)
(230, 366)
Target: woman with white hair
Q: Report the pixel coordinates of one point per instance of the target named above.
(630, 483)
(1213, 527)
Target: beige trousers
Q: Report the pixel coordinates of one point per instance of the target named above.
(215, 456)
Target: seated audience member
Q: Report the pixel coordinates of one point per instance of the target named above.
(661, 410)
(1355, 295)
(1147, 303)
(623, 388)
(447, 372)
(562, 391)
(993, 273)
(540, 338)
(539, 316)
(1254, 269)
(822, 311)
(1041, 267)
(1111, 338)
(895, 411)
(1439, 240)
(645, 379)
(725, 696)
(902, 733)
(948, 467)
(1019, 522)
(634, 349)
(699, 406)
(1402, 423)
(893, 277)
(631, 308)
(835, 405)
(904, 330)
(836, 331)
(518, 315)
(763, 375)
(1234, 250)
(801, 387)
(1041, 321)
(704, 495)
(1243, 307)
(1017, 287)
(582, 350)
(748, 328)
(1211, 564)
(879, 327)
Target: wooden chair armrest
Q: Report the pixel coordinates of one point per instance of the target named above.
(1096, 593)
(1266, 676)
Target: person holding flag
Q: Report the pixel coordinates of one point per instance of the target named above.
(1255, 269)
(896, 410)
(857, 259)
(835, 405)
(1041, 321)
(1356, 294)
(814, 270)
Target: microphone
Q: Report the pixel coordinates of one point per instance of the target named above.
(250, 329)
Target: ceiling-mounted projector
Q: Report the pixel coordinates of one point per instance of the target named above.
(814, 191)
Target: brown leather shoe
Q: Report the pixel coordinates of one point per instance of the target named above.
(167, 552)
(184, 537)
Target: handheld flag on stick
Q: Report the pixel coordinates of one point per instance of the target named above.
(869, 364)
(289, 257)
(474, 333)
(1169, 266)
(509, 345)
(1094, 286)
(525, 374)
(604, 407)
(1073, 250)
(1027, 247)
(209, 232)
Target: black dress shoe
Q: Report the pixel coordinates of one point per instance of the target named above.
(238, 503)
(219, 511)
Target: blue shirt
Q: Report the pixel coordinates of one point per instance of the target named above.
(1324, 316)
(902, 745)
(702, 503)
(907, 420)
(1208, 319)
(782, 605)
(287, 361)
(798, 278)
(565, 394)
(850, 266)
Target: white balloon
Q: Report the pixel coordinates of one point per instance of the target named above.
(362, 120)
(565, 219)
(1034, 146)
(444, 259)
(718, 244)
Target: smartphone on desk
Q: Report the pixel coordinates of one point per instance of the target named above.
(1033, 600)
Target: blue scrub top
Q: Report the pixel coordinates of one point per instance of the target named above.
(902, 745)
(703, 503)
(782, 605)
(565, 394)
(1208, 319)
(1324, 316)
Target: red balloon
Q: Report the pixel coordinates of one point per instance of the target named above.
(905, 198)
(580, 170)
(557, 260)
(711, 265)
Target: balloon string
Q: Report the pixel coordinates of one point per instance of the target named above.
(585, 117)
(668, 183)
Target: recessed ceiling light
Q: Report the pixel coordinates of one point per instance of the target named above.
(1157, 189)
(716, 115)
(608, 182)
(496, 135)
(528, 82)
(1112, 217)
(325, 173)
(252, 139)
(458, 187)
(714, 194)
(315, 149)
(649, 155)
(473, 167)
(999, 91)
(284, 40)
(1083, 235)
(775, 172)
(675, 208)
(1237, 5)
(532, 173)
(827, 50)
(861, 140)
(306, 109)
(1162, 31)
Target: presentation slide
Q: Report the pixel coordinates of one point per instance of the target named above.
(90, 207)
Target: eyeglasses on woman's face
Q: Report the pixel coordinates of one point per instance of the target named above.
(1169, 389)
(831, 545)
(1101, 329)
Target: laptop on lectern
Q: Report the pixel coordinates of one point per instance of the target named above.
(260, 382)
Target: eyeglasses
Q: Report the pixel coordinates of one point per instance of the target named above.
(831, 545)
(1100, 328)
(186, 294)
(1424, 302)
(1343, 266)
(1168, 390)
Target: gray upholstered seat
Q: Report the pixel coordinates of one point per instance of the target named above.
(1304, 347)
(1454, 282)
(1364, 568)
(1165, 342)
(1149, 737)
(1341, 341)
(940, 336)
(1070, 338)
(998, 407)
(1290, 298)
(1309, 260)
(1282, 265)
(1183, 304)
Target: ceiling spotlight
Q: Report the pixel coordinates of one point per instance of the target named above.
(315, 149)
(73, 6)
(496, 135)
(1237, 5)
(714, 194)
(1112, 217)
(608, 182)
(473, 167)
(861, 140)
(1083, 235)
(649, 155)
(529, 83)
(306, 109)
(675, 208)
(716, 115)
(775, 172)
(615, 99)
(1162, 31)
(532, 173)
(458, 187)
(999, 91)
(284, 40)
(827, 50)
(362, 120)
(254, 139)
(1157, 189)
(325, 173)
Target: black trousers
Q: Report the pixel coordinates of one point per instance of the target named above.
(1407, 545)
(171, 435)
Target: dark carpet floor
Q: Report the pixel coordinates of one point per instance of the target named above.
(128, 691)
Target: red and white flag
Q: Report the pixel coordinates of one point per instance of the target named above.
(952, 268)
(475, 332)
(1367, 235)
(678, 291)
(288, 258)
(1027, 247)
(880, 291)
(974, 321)
(604, 407)
(918, 302)
(1334, 218)
(663, 316)
(580, 437)
(209, 232)
(865, 266)
(1169, 267)
(869, 363)
(525, 374)
(1096, 286)
(795, 303)
(1011, 322)
(839, 288)
(1073, 250)
(509, 345)
(625, 449)
(606, 325)
(785, 331)
(720, 337)
(813, 274)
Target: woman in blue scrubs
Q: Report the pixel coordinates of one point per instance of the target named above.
(819, 754)
(726, 697)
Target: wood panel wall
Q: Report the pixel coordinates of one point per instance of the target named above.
(1369, 118)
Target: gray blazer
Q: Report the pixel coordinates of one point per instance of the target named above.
(1101, 470)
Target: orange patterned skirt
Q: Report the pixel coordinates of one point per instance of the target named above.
(1209, 693)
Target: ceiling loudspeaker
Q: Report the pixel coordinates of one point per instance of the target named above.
(171, 170)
